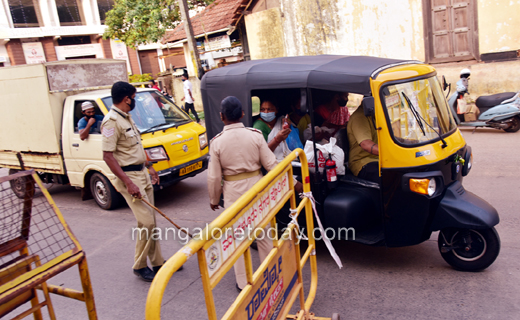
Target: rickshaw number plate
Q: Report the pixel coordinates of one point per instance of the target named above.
(190, 168)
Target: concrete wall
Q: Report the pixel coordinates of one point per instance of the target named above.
(498, 25)
(265, 34)
(351, 27)
(391, 29)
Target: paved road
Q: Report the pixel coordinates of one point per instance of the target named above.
(376, 283)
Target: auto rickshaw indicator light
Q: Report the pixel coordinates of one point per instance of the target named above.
(423, 186)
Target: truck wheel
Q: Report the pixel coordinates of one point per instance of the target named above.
(18, 185)
(468, 249)
(104, 193)
(515, 125)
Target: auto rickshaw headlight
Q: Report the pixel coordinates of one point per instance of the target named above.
(423, 186)
(468, 163)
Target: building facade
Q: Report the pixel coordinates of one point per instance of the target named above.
(34, 31)
(482, 35)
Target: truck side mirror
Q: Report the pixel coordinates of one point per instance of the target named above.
(303, 100)
(369, 106)
(444, 83)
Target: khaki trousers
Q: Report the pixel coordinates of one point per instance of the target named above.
(145, 246)
(232, 191)
(264, 247)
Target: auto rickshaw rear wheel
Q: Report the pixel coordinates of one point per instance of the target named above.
(469, 249)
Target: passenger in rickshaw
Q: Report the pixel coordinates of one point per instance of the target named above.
(299, 118)
(271, 123)
(364, 151)
(330, 116)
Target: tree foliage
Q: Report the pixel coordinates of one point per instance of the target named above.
(137, 22)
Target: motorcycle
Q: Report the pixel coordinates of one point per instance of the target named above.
(499, 111)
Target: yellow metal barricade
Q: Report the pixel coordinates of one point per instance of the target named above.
(277, 283)
(35, 245)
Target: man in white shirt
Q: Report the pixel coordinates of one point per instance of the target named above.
(188, 105)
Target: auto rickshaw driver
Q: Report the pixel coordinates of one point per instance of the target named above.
(364, 152)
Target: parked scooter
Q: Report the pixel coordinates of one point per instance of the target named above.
(499, 111)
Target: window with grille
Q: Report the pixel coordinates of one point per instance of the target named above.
(104, 6)
(70, 12)
(25, 13)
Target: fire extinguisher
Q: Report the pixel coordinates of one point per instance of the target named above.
(330, 169)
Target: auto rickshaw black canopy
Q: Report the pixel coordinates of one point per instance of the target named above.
(326, 72)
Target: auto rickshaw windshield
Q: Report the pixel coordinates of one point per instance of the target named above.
(417, 111)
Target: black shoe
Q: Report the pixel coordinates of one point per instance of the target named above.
(254, 246)
(238, 288)
(145, 274)
(156, 269)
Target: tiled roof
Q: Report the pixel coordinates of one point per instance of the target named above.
(216, 16)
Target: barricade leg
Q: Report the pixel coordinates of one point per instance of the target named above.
(87, 289)
(34, 303)
(50, 308)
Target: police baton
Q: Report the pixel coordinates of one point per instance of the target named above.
(166, 217)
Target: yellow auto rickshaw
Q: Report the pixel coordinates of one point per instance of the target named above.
(422, 154)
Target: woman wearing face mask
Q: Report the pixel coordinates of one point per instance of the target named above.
(275, 129)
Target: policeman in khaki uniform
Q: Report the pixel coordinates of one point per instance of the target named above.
(125, 156)
(236, 156)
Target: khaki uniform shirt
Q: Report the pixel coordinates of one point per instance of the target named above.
(235, 150)
(360, 128)
(121, 136)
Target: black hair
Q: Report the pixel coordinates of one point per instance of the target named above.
(231, 108)
(153, 81)
(120, 90)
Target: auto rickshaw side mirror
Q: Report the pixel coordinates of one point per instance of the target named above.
(303, 100)
(444, 83)
(369, 106)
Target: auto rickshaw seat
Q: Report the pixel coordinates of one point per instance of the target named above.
(342, 142)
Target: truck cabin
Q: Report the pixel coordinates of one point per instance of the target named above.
(78, 114)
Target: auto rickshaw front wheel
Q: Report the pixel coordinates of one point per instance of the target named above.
(469, 249)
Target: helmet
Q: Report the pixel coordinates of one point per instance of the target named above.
(465, 72)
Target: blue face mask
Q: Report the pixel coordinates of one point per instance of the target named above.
(268, 116)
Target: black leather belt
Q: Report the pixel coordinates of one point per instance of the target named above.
(133, 167)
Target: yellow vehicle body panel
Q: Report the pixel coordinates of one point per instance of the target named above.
(181, 144)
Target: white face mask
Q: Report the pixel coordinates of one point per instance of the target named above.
(268, 116)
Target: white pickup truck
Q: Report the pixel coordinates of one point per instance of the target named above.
(41, 107)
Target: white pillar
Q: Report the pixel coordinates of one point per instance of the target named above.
(90, 12)
(49, 13)
(5, 16)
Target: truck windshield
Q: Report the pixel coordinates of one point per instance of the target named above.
(417, 111)
(153, 111)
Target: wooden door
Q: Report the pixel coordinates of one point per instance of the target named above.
(450, 30)
(149, 62)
